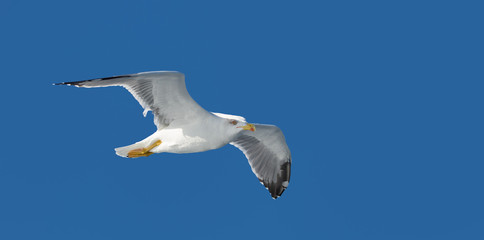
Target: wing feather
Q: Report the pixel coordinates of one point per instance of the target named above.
(268, 155)
(162, 92)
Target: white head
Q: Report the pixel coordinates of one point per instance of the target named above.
(235, 124)
(241, 125)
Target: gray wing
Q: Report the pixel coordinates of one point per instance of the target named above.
(162, 92)
(268, 155)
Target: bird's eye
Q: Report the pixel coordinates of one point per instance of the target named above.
(233, 122)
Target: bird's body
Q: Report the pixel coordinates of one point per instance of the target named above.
(187, 136)
(185, 127)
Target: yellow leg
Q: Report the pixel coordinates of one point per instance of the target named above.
(143, 152)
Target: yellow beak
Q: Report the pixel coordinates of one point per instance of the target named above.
(249, 127)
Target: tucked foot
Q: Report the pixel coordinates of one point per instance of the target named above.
(143, 152)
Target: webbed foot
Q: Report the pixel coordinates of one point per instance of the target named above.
(143, 152)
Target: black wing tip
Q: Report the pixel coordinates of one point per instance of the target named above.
(277, 188)
(110, 78)
(67, 83)
(275, 196)
(79, 83)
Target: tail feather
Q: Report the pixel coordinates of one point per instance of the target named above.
(123, 151)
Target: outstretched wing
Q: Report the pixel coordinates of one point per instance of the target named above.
(268, 155)
(162, 92)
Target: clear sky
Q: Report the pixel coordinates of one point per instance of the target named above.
(381, 104)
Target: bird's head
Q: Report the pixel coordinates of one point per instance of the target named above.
(242, 125)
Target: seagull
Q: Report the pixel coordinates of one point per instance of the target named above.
(183, 126)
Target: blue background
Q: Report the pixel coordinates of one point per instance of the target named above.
(381, 104)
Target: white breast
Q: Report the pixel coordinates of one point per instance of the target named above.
(188, 140)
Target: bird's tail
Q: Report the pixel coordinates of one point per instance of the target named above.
(123, 151)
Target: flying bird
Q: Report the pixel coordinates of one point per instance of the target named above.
(183, 126)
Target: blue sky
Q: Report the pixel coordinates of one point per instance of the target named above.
(380, 102)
